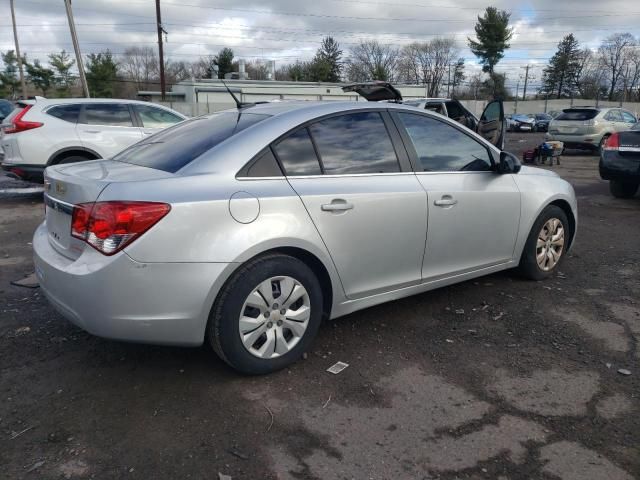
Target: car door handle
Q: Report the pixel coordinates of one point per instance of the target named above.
(91, 131)
(148, 133)
(337, 206)
(445, 201)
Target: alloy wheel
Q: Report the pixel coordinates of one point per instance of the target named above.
(274, 317)
(550, 244)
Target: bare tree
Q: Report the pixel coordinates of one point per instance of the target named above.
(631, 74)
(614, 53)
(429, 63)
(372, 60)
(590, 74)
(140, 64)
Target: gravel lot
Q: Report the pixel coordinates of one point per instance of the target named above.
(497, 378)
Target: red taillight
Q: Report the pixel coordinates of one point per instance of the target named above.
(19, 125)
(613, 142)
(110, 226)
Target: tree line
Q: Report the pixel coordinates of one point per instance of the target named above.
(612, 71)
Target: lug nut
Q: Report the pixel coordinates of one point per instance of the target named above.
(275, 306)
(270, 324)
(279, 323)
(283, 311)
(266, 314)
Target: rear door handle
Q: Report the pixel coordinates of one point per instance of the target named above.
(337, 206)
(91, 131)
(445, 201)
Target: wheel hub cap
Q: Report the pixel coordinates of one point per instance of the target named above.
(274, 317)
(550, 244)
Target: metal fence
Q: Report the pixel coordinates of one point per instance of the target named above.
(474, 106)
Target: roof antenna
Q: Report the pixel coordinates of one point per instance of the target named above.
(239, 105)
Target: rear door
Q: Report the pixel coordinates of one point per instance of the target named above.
(107, 128)
(474, 213)
(153, 119)
(354, 178)
(615, 121)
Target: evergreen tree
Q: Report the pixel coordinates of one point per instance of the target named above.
(326, 65)
(493, 34)
(102, 71)
(458, 75)
(224, 61)
(40, 77)
(9, 78)
(561, 75)
(62, 64)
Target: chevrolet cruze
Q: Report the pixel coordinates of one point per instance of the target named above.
(246, 228)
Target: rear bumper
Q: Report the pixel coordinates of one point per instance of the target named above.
(34, 173)
(576, 141)
(617, 167)
(116, 297)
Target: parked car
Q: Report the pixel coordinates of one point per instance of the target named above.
(44, 132)
(246, 228)
(554, 113)
(620, 162)
(6, 107)
(542, 121)
(521, 123)
(383, 91)
(589, 127)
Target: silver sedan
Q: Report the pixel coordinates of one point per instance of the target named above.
(246, 228)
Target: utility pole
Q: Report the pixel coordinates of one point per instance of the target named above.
(526, 81)
(76, 48)
(163, 87)
(448, 80)
(515, 107)
(15, 39)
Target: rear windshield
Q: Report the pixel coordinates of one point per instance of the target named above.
(5, 108)
(177, 146)
(578, 114)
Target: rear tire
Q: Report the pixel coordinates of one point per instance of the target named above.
(602, 142)
(247, 327)
(74, 158)
(546, 244)
(621, 189)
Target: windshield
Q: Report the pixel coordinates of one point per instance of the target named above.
(578, 114)
(175, 147)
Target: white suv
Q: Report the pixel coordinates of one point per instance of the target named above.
(44, 132)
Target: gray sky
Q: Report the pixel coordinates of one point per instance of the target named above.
(286, 30)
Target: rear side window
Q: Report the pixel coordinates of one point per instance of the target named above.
(614, 116)
(153, 117)
(354, 143)
(297, 155)
(109, 114)
(578, 114)
(68, 113)
(175, 147)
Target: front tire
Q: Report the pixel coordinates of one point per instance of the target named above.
(266, 315)
(546, 244)
(621, 189)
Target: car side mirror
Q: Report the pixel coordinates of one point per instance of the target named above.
(509, 163)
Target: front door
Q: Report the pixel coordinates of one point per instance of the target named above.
(371, 215)
(474, 212)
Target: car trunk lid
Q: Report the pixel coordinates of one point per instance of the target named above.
(375, 91)
(73, 184)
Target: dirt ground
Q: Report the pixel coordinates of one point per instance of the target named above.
(497, 378)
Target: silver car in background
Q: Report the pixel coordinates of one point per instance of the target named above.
(246, 228)
(589, 127)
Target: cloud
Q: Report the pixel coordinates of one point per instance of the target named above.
(286, 30)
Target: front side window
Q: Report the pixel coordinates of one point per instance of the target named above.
(443, 148)
(68, 113)
(173, 148)
(153, 117)
(297, 155)
(354, 143)
(110, 114)
(627, 117)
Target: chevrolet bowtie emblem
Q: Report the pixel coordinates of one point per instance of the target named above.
(61, 188)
